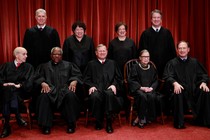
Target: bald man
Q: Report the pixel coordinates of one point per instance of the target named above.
(15, 83)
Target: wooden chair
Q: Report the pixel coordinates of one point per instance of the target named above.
(127, 68)
(26, 104)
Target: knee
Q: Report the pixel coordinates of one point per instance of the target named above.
(70, 96)
(43, 98)
(95, 95)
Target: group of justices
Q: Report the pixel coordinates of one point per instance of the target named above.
(57, 75)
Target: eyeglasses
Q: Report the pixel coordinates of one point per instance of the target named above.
(57, 54)
(144, 56)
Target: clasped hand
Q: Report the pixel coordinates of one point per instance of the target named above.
(146, 89)
(12, 84)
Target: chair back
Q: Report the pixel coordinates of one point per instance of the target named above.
(127, 68)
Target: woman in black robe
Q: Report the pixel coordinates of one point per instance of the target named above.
(143, 81)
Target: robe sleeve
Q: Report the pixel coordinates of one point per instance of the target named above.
(2, 69)
(118, 80)
(88, 77)
(75, 74)
(133, 79)
(27, 83)
(202, 75)
(169, 73)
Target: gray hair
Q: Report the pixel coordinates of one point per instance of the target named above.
(56, 48)
(100, 45)
(17, 50)
(40, 10)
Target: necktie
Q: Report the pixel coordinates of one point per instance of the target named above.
(103, 61)
(18, 64)
(156, 30)
(40, 29)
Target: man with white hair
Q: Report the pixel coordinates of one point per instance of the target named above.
(15, 82)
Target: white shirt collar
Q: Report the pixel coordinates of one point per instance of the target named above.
(15, 61)
(102, 60)
(156, 28)
(41, 27)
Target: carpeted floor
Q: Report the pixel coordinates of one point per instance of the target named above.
(154, 131)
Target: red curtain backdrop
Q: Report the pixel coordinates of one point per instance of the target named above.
(187, 20)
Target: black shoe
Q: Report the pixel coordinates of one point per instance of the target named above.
(21, 122)
(46, 130)
(134, 123)
(141, 125)
(149, 122)
(71, 128)
(109, 129)
(5, 132)
(98, 125)
(179, 126)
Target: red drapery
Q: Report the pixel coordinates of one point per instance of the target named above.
(187, 20)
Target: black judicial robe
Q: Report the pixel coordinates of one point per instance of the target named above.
(190, 74)
(77, 52)
(122, 51)
(142, 78)
(102, 76)
(21, 75)
(160, 46)
(145, 102)
(39, 44)
(58, 76)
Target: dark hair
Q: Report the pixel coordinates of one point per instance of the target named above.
(183, 41)
(79, 24)
(118, 25)
(156, 11)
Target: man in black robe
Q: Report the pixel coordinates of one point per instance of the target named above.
(189, 81)
(158, 41)
(15, 82)
(40, 39)
(58, 80)
(104, 81)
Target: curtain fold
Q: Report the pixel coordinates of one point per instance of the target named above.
(186, 19)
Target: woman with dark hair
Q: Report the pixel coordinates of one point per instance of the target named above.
(78, 48)
(143, 82)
